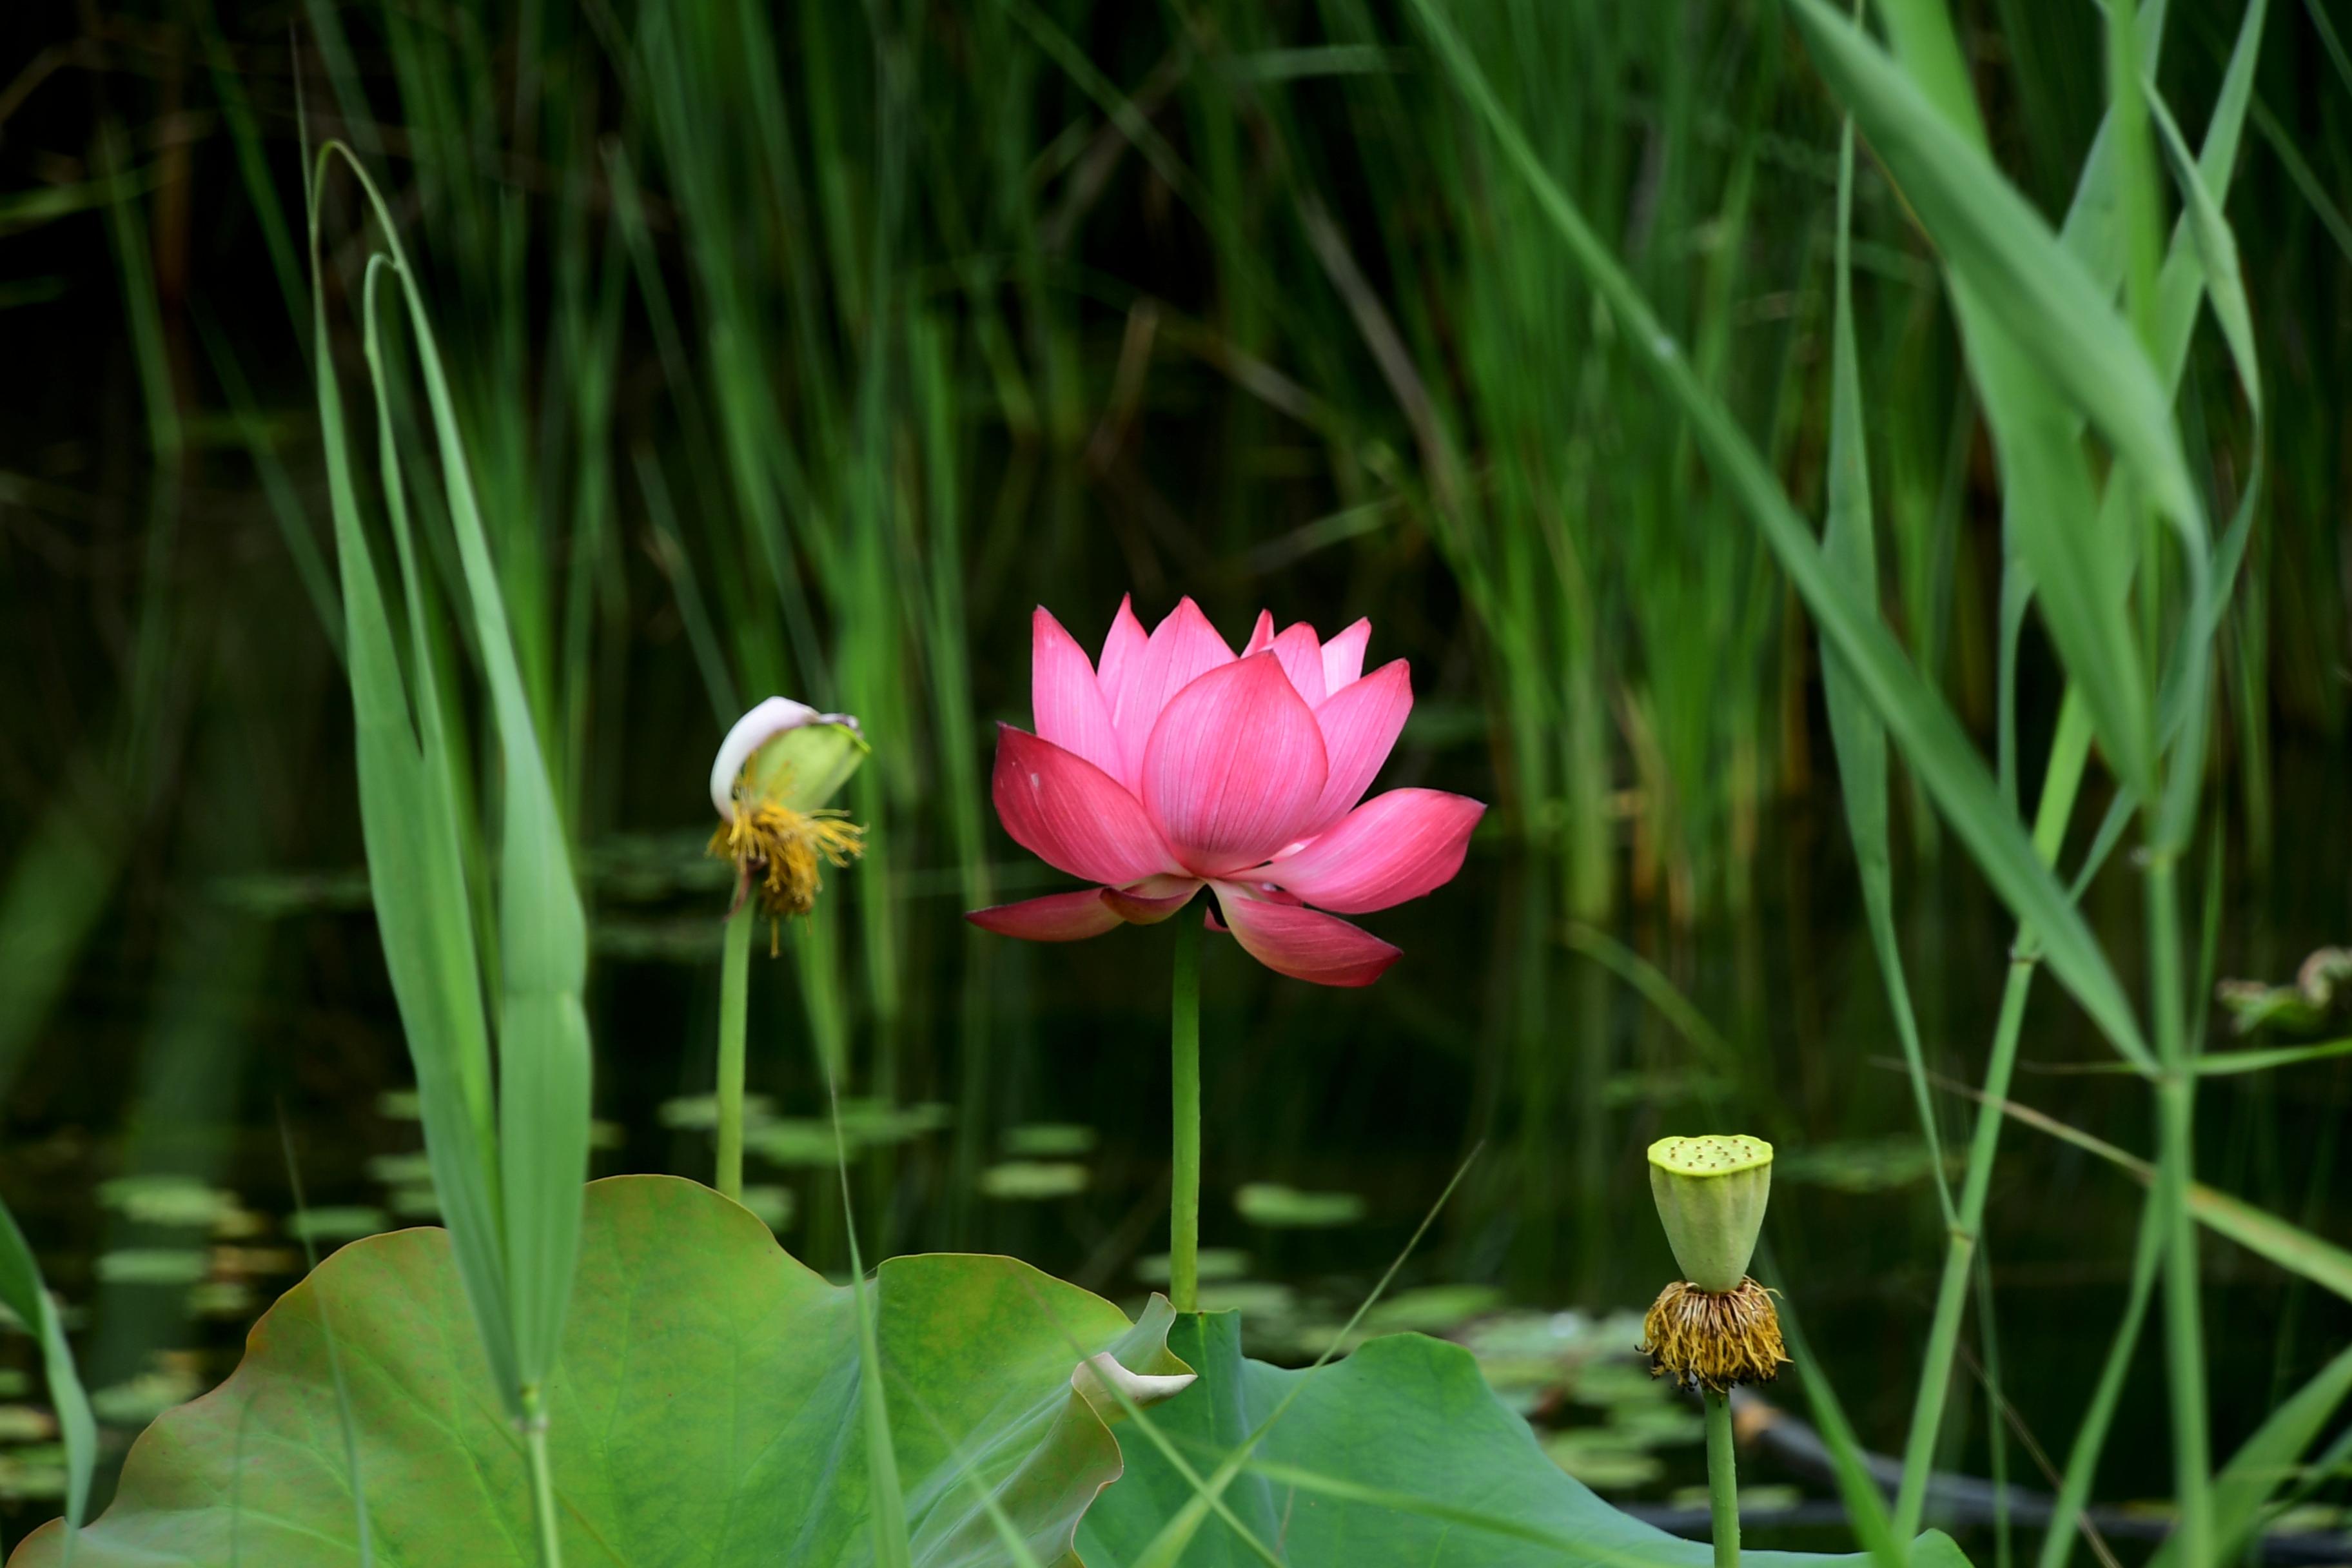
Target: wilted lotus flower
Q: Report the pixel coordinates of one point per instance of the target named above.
(1718, 1327)
(1173, 764)
(775, 770)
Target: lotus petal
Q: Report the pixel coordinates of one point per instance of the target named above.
(1072, 814)
(1360, 723)
(1236, 769)
(1304, 943)
(1395, 847)
(1183, 648)
(1065, 698)
(1058, 917)
(1343, 657)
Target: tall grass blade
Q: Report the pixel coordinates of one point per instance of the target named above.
(417, 871)
(2266, 1460)
(1859, 739)
(1913, 711)
(23, 1293)
(2004, 257)
(2260, 1232)
(2091, 1437)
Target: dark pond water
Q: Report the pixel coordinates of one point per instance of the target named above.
(1018, 1101)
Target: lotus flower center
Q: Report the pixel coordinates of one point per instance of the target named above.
(781, 849)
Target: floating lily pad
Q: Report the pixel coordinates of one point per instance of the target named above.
(701, 1111)
(222, 1299)
(28, 1473)
(705, 1411)
(1603, 1459)
(1034, 1179)
(1395, 1457)
(1049, 1139)
(342, 1223)
(1208, 1263)
(422, 1202)
(1859, 1165)
(152, 1266)
(1272, 1203)
(1258, 1300)
(864, 1123)
(1432, 1308)
(1615, 1380)
(1656, 1422)
(170, 1201)
(138, 1400)
(1769, 1499)
(774, 1204)
(26, 1424)
(400, 1170)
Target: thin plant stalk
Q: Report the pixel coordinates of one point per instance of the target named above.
(1184, 1055)
(2062, 778)
(2091, 1438)
(2184, 1341)
(734, 982)
(1959, 1253)
(1722, 1478)
(542, 1481)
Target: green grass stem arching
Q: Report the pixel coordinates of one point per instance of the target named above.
(1915, 714)
(24, 1296)
(508, 1172)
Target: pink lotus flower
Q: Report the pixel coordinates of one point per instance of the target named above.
(1173, 766)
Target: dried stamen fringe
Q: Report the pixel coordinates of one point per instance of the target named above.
(1708, 1338)
(785, 847)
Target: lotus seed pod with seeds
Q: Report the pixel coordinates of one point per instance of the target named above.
(1711, 1192)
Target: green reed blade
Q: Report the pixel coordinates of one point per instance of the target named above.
(24, 1294)
(1914, 713)
(1859, 739)
(416, 876)
(2265, 1461)
(2003, 258)
(544, 1057)
(2091, 1437)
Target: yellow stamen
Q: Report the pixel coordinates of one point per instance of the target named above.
(1708, 1338)
(783, 847)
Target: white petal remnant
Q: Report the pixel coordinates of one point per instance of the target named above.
(755, 730)
(1094, 1378)
(770, 783)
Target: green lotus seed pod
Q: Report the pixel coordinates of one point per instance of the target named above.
(1711, 1192)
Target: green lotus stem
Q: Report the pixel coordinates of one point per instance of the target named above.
(542, 1481)
(734, 980)
(1184, 1054)
(1722, 1478)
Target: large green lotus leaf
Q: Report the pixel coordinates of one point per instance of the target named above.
(1414, 1464)
(704, 1410)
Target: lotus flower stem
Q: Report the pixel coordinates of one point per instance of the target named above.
(1718, 1328)
(1722, 1478)
(1184, 1054)
(734, 982)
(770, 783)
